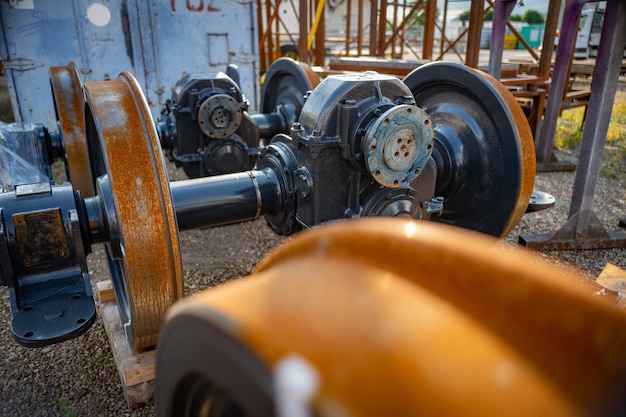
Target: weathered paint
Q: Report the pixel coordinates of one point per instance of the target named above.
(158, 42)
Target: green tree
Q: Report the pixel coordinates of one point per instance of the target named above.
(464, 16)
(533, 17)
(516, 18)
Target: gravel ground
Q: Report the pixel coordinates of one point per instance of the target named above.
(79, 378)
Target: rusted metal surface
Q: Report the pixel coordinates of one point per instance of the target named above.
(474, 30)
(433, 310)
(149, 242)
(41, 237)
(68, 102)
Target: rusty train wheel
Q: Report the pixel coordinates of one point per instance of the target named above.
(394, 317)
(68, 104)
(484, 148)
(143, 253)
(286, 83)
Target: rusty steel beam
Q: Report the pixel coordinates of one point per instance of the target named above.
(549, 35)
(303, 36)
(373, 28)
(359, 46)
(429, 30)
(473, 34)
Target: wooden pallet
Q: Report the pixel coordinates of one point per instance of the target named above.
(136, 369)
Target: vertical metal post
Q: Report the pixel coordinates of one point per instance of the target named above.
(259, 17)
(443, 26)
(583, 230)
(320, 38)
(394, 25)
(502, 9)
(382, 28)
(569, 27)
(359, 46)
(373, 27)
(429, 29)
(549, 34)
(604, 85)
(303, 36)
(473, 34)
(348, 27)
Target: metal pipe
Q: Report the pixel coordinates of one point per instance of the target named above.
(225, 199)
(269, 124)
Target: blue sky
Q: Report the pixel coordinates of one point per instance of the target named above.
(456, 7)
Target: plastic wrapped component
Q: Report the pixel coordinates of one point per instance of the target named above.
(23, 155)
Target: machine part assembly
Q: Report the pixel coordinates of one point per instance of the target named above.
(135, 212)
(483, 147)
(68, 105)
(207, 129)
(352, 312)
(325, 169)
(282, 96)
(360, 142)
(48, 245)
(36, 147)
(26, 153)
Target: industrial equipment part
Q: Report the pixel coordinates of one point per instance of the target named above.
(361, 148)
(583, 229)
(28, 150)
(206, 127)
(484, 149)
(282, 96)
(395, 317)
(68, 106)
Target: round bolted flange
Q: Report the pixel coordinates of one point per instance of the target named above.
(143, 253)
(398, 144)
(219, 116)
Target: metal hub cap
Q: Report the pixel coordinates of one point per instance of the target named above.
(219, 116)
(398, 145)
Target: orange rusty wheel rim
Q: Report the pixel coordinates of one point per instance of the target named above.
(396, 317)
(144, 255)
(484, 148)
(68, 103)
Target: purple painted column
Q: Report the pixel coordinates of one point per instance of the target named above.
(502, 9)
(583, 230)
(569, 28)
(603, 88)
